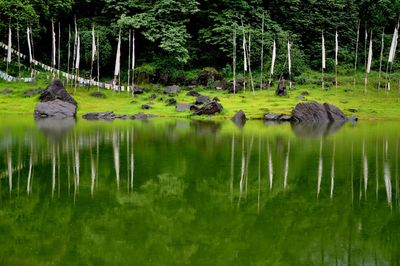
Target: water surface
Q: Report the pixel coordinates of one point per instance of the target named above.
(176, 192)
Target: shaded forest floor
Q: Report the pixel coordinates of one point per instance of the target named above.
(373, 105)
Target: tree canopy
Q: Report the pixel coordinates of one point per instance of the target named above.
(189, 34)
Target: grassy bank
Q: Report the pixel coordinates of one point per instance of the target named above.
(373, 105)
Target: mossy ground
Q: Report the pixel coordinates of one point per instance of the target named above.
(373, 105)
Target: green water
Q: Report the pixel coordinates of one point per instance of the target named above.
(181, 192)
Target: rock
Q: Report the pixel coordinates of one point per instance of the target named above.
(141, 116)
(56, 91)
(239, 118)
(30, 93)
(134, 102)
(145, 106)
(305, 93)
(285, 118)
(138, 90)
(352, 119)
(300, 97)
(271, 117)
(222, 85)
(216, 99)
(193, 93)
(182, 107)
(56, 109)
(170, 101)
(315, 112)
(55, 102)
(172, 90)
(150, 103)
(207, 76)
(100, 116)
(153, 96)
(6, 91)
(98, 95)
(334, 113)
(202, 100)
(209, 109)
(352, 110)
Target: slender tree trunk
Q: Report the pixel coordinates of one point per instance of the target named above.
(356, 59)
(234, 59)
(262, 53)
(129, 59)
(19, 60)
(59, 49)
(381, 58)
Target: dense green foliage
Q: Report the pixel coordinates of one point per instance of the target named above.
(174, 35)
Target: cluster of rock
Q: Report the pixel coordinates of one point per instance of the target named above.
(202, 105)
(109, 115)
(312, 112)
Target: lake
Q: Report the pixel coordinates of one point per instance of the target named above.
(177, 192)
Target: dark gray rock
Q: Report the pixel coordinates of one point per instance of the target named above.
(202, 99)
(222, 85)
(56, 91)
(170, 101)
(7, 91)
(98, 94)
(145, 106)
(30, 93)
(352, 119)
(239, 118)
(138, 90)
(56, 109)
(193, 93)
(100, 116)
(315, 112)
(209, 109)
(153, 96)
(300, 97)
(182, 107)
(305, 93)
(271, 117)
(285, 118)
(352, 110)
(172, 90)
(216, 99)
(141, 116)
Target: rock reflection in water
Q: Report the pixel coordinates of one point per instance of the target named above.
(316, 130)
(55, 129)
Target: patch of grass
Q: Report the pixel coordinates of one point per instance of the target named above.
(373, 105)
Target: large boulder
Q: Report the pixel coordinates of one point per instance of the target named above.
(55, 102)
(316, 112)
(55, 109)
(56, 91)
(209, 109)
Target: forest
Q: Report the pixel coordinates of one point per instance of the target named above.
(174, 38)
